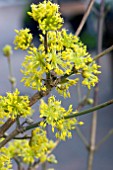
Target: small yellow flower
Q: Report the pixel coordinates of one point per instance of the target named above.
(23, 39)
(81, 123)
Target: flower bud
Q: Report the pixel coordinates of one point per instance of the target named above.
(7, 50)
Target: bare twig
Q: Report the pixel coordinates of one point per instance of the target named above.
(79, 95)
(19, 138)
(80, 106)
(6, 126)
(90, 5)
(77, 33)
(94, 117)
(18, 162)
(84, 101)
(82, 137)
(98, 107)
(11, 78)
(91, 147)
(103, 53)
(110, 133)
(10, 137)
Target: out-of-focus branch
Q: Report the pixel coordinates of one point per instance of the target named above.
(110, 133)
(11, 78)
(82, 137)
(103, 53)
(92, 144)
(80, 106)
(88, 10)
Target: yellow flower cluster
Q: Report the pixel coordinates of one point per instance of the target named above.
(13, 105)
(40, 144)
(54, 115)
(63, 88)
(89, 73)
(34, 69)
(39, 147)
(65, 53)
(23, 39)
(47, 16)
(5, 163)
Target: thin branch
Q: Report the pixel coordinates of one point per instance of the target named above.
(80, 106)
(79, 95)
(31, 126)
(45, 43)
(91, 147)
(44, 166)
(96, 12)
(103, 53)
(18, 162)
(84, 101)
(18, 131)
(92, 144)
(110, 133)
(98, 107)
(11, 78)
(82, 137)
(6, 126)
(88, 10)
(18, 138)
(10, 137)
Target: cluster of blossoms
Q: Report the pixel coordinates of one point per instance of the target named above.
(65, 53)
(49, 19)
(63, 88)
(54, 115)
(89, 73)
(23, 39)
(14, 105)
(38, 148)
(5, 163)
(60, 52)
(34, 69)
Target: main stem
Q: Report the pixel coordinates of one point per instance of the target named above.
(94, 117)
